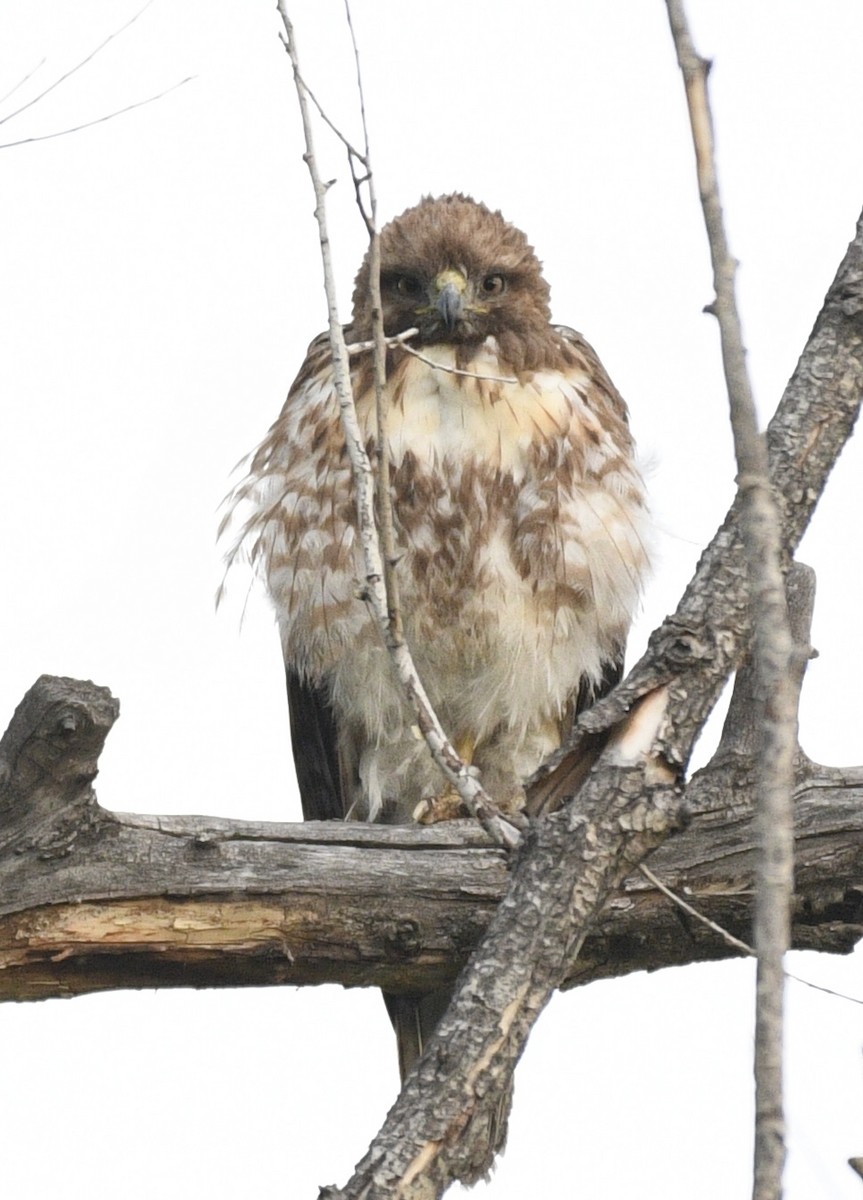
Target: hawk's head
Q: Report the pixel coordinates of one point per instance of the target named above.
(459, 273)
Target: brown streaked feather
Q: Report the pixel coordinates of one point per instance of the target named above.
(518, 511)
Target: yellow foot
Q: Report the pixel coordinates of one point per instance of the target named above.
(446, 807)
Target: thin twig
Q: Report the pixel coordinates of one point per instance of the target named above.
(727, 937)
(819, 987)
(327, 120)
(66, 75)
(44, 137)
(22, 81)
(772, 644)
(730, 939)
(391, 342)
(505, 829)
(430, 362)
(401, 339)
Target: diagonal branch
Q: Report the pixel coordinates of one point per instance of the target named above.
(445, 1125)
(22, 81)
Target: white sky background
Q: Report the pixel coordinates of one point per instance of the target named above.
(160, 283)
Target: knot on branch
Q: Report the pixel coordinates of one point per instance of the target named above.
(680, 647)
(403, 939)
(50, 755)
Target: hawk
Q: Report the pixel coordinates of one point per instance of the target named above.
(520, 523)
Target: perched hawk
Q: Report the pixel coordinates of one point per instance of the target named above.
(520, 520)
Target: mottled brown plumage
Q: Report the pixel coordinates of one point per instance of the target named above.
(519, 516)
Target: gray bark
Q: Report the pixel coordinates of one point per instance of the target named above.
(92, 900)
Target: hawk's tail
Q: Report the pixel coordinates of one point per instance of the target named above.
(415, 1016)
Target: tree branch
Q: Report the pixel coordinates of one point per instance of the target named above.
(777, 712)
(92, 900)
(447, 1107)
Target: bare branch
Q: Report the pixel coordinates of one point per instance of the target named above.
(402, 340)
(505, 829)
(760, 527)
(72, 70)
(23, 80)
(386, 522)
(93, 900)
(44, 137)
(728, 938)
(329, 122)
(397, 340)
(430, 362)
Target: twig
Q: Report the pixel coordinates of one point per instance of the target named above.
(386, 523)
(397, 340)
(819, 987)
(22, 81)
(772, 643)
(730, 939)
(67, 74)
(401, 340)
(727, 937)
(327, 120)
(44, 137)
(457, 370)
(503, 828)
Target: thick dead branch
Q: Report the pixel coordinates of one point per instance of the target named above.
(92, 900)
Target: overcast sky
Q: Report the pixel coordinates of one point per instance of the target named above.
(160, 283)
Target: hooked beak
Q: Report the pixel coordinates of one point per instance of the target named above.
(449, 288)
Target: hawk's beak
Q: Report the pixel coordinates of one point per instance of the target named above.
(448, 294)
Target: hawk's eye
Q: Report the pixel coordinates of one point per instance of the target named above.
(494, 285)
(408, 285)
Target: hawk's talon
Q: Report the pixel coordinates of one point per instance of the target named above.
(449, 806)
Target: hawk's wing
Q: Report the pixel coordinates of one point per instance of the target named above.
(565, 780)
